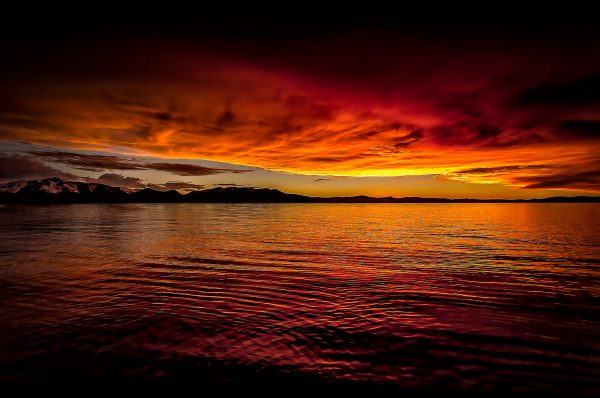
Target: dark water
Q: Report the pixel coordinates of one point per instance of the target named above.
(448, 296)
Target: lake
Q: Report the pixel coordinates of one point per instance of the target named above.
(466, 297)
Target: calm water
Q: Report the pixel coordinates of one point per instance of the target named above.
(459, 296)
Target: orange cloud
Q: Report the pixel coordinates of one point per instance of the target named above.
(459, 118)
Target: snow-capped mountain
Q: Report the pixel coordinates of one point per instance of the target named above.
(51, 190)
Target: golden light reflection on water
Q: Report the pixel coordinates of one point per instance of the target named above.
(483, 293)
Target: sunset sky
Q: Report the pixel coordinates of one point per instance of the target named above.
(446, 105)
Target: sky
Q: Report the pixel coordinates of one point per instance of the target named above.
(433, 103)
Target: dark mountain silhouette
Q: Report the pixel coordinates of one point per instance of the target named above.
(148, 195)
(55, 190)
(244, 195)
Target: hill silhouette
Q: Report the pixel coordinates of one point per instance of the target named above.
(56, 190)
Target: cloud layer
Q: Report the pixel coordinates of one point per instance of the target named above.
(517, 112)
(17, 166)
(99, 163)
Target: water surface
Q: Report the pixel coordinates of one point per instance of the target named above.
(451, 296)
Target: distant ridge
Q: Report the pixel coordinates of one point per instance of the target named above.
(55, 190)
(148, 195)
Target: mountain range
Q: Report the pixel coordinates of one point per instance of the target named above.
(56, 190)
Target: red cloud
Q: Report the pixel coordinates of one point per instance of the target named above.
(361, 104)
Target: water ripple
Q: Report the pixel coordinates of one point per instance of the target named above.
(464, 297)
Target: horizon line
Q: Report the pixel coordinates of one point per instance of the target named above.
(309, 199)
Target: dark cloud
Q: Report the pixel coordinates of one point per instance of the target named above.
(582, 174)
(583, 91)
(402, 143)
(99, 163)
(95, 163)
(465, 134)
(118, 180)
(24, 167)
(162, 116)
(590, 128)
(322, 179)
(226, 118)
(487, 132)
(585, 180)
(502, 169)
(32, 121)
(184, 169)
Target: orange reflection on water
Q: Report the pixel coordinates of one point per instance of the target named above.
(361, 292)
